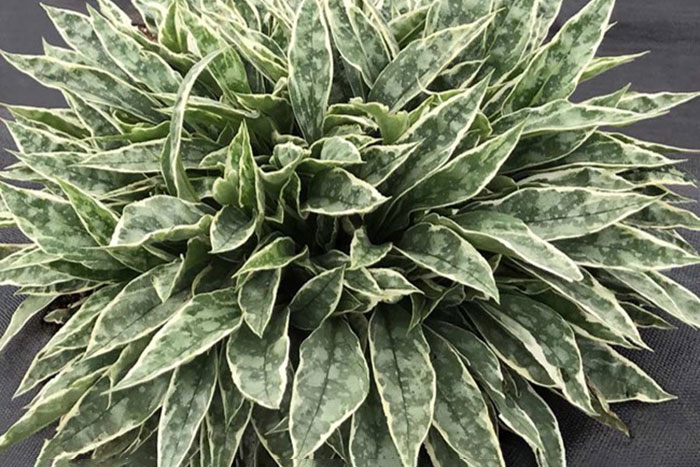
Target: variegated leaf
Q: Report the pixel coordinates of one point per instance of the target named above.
(420, 62)
(445, 253)
(259, 364)
(192, 330)
(310, 68)
(563, 212)
(185, 405)
(405, 379)
(461, 414)
(338, 193)
(317, 299)
(330, 384)
(257, 297)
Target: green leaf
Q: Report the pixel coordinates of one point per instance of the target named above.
(664, 216)
(507, 235)
(259, 364)
(135, 312)
(21, 316)
(90, 83)
(104, 417)
(192, 330)
(557, 67)
(445, 14)
(331, 382)
(440, 453)
(160, 218)
(230, 229)
(310, 68)
(417, 65)
(172, 166)
(655, 103)
(140, 65)
(686, 301)
(370, 439)
(256, 298)
(568, 212)
(276, 255)
(363, 253)
(317, 299)
(336, 192)
(359, 43)
(382, 161)
(437, 134)
(186, 402)
(53, 225)
(464, 176)
(602, 150)
(599, 179)
(445, 253)
(595, 300)
(624, 247)
(461, 414)
(617, 378)
(405, 379)
(551, 342)
(600, 65)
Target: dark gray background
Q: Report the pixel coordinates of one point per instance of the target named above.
(666, 435)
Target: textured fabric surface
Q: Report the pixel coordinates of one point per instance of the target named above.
(666, 435)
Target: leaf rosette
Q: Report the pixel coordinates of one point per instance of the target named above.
(291, 232)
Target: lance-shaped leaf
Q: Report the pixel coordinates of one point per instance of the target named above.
(507, 235)
(144, 157)
(445, 253)
(562, 115)
(600, 65)
(617, 378)
(445, 14)
(160, 218)
(140, 65)
(623, 247)
(259, 364)
(276, 255)
(134, 312)
(602, 150)
(225, 432)
(440, 453)
(655, 103)
(565, 212)
(595, 300)
(363, 252)
(310, 68)
(551, 452)
(686, 301)
(540, 150)
(24, 312)
(110, 415)
(53, 225)
(599, 179)
(58, 396)
(556, 69)
(230, 229)
(172, 167)
(256, 298)
(338, 193)
(317, 299)
(186, 403)
(330, 384)
(357, 40)
(194, 329)
(551, 342)
(464, 176)
(382, 161)
(417, 65)
(405, 379)
(436, 136)
(509, 35)
(90, 83)
(370, 440)
(461, 415)
(664, 216)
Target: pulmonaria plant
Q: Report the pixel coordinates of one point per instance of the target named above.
(334, 232)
